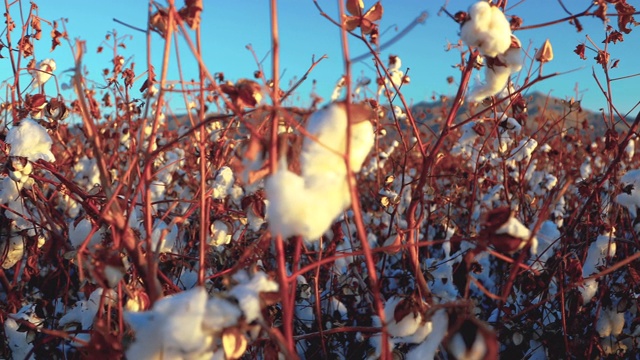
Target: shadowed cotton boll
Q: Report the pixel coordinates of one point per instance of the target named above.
(308, 204)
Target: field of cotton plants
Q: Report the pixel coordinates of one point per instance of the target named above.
(345, 229)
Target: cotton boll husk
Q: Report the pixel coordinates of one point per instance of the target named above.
(329, 127)
(30, 140)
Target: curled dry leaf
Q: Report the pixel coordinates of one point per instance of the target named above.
(190, 13)
(245, 93)
(366, 22)
(355, 7)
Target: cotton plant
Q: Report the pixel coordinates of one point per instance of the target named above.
(487, 28)
(395, 79)
(307, 204)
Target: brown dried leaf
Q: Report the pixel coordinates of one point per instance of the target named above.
(55, 38)
(190, 13)
(26, 46)
(625, 16)
(580, 48)
(355, 7)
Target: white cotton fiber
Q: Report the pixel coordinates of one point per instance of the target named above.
(309, 203)
(488, 29)
(30, 140)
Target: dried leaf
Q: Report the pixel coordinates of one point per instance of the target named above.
(580, 48)
(26, 46)
(190, 13)
(355, 7)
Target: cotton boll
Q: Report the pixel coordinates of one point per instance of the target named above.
(223, 184)
(408, 324)
(428, 348)
(630, 198)
(297, 209)
(221, 314)
(14, 250)
(172, 329)
(43, 71)
(495, 80)
(329, 127)
(84, 311)
(498, 71)
(219, 233)
(30, 140)
(488, 29)
(248, 293)
(163, 237)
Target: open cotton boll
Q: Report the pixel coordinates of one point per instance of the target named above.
(630, 198)
(84, 311)
(297, 209)
(172, 329)
(248, 293)
(488, 29)
(429, 347)
(498, 71)
(596, 256)
(164, 236)
(30, 140)
(223, 183)
(43, 71)
(408, 324)
(329, 127)
(17, 338)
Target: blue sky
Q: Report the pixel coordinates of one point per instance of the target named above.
(228, 26)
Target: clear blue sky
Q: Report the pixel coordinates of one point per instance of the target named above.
(228, 26)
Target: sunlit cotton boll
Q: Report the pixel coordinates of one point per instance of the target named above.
(30, 140)
(498, 70)
(488, 29)
(329, 127)
(308, 204)
(43, 71)
(296, 209)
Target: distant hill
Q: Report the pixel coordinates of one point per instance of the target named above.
(541, 108)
